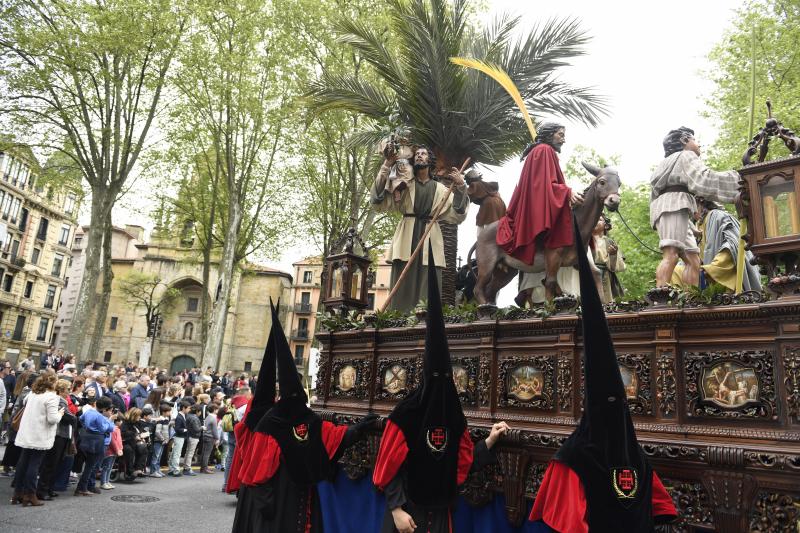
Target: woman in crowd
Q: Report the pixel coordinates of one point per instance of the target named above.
(134, 446)
(118, 396)
(210, 437)
(154, 398)
(64, 433)
(95, 436)
(21, 391)
(37, 433)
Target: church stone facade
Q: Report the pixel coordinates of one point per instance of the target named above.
(176, 261)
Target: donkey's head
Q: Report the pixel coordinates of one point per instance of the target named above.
(605, 184)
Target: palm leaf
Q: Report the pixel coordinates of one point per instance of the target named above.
(499, 75)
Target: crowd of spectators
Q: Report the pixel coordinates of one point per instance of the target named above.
(93, 426)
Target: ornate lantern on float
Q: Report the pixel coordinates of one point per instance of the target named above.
(346, 275)
(769, 199)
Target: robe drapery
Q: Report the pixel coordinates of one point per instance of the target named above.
(539, 212)
(561, 502)
(720, 245)
(416, 204)
(389, 476)
(268, 500)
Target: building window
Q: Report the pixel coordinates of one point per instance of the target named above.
(188, 331)
(305, 297)
(50, 297)
(302, 326)
(298, 354)
(35, 256)
(23, 219)
(107, 357)
(308, 276)
(113, 325)
(371, 300)
(19, 328)
(5, 206)
(248, 366)
(41, 233)
(15, 205)
(77, 242)
(8, 282)
(192, 304)
(41, 335)
(28, 289)
(63, 238)
(58, 260)
(69, 204)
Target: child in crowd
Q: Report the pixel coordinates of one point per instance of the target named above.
(160, 439)
(113, 450)
(195, 433)
(210, 437)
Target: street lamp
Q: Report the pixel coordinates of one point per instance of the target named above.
(769, 199)
(347, 275)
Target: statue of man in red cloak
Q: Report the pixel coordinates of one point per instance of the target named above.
(539, 214)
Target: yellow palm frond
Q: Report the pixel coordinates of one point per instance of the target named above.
(500, 76)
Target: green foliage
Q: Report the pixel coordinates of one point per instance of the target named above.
(150, 292)
(641, 263)
(574, 171)
(459, 113)
(777, 30)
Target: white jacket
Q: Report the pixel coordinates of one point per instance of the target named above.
(37, 430)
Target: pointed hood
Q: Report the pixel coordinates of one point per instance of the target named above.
(603, 449)
(437, 352)
(431, 417)
(264, 398)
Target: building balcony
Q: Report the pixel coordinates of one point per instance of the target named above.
(303, 308)
(300, 334)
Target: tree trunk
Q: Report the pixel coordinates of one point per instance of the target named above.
(205, 301)
(219, 315)
(101, 310)
(102, 199)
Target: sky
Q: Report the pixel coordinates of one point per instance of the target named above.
(646, 57)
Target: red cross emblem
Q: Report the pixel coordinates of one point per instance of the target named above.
(300, 432)
(437, 439)
(625, 482)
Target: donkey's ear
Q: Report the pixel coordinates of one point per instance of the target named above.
(594, 170)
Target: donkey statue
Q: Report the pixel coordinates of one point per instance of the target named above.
(496, 268)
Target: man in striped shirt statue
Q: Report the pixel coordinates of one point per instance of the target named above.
(675, 182)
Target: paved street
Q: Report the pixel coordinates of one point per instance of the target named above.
(184, 505)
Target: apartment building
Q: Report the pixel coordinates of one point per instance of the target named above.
(37, 226)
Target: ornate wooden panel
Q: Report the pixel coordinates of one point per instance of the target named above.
(526, 381)
(730, 384)
(350, 379)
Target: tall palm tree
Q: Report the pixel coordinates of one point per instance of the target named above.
(458, 113)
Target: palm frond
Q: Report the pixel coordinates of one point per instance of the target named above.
(346, 92)
(499, 75)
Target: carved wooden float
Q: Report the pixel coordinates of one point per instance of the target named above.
(715, 393)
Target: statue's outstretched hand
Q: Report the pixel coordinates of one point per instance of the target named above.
(455, 175)
(575, 198)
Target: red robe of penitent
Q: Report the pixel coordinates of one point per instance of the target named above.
(539, 206)
(561, 503)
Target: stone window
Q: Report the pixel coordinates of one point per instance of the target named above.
(192, 304)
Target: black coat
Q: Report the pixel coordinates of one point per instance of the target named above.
(118, 402)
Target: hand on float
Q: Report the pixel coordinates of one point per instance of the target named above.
(612, 249)
(390, 160)
(403, 521)
(501, 428)
(575, 198)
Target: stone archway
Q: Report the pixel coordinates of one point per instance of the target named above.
(181, 362)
